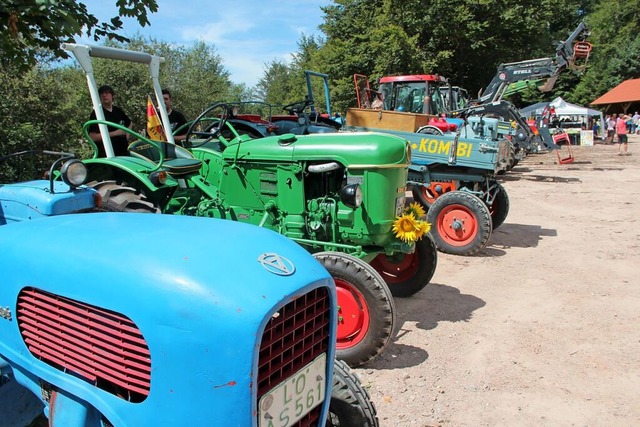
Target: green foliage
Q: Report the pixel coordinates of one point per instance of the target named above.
(616, 49)
(37, 111)
(276, 84)
(27, 27)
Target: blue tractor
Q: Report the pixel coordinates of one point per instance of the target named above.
(129, 320)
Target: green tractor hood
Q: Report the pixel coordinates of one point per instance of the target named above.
(353, 150)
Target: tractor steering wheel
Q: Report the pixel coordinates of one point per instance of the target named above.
(211, 131)
(297, 108)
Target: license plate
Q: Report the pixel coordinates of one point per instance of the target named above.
(400, 202)
(295, 397)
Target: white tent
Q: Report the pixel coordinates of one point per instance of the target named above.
(565, 109)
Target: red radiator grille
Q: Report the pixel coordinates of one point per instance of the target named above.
(99, 346)
(294, 338)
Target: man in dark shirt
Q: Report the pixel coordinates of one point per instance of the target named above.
(112, 114)
(176, 118)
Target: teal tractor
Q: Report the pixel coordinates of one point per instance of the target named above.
(342, 197)
(453, 165)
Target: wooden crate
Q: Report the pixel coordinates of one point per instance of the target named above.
(383, 119)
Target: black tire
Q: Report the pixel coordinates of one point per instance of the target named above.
(118, 198)
(406, 274)
(500, 207)
(350, 405)
(421, 195)
(460, 223)
(430, 130)
(510, 161)
(366, 315)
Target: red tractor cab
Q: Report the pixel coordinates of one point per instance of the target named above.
(422, 93)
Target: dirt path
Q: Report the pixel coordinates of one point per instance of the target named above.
(543, 327)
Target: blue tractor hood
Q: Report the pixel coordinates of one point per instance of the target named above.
(198, 290)
(34, 199)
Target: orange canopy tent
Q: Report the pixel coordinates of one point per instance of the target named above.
(622, 97)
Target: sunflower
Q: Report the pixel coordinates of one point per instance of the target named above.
(416, 209)
(407, 228)
(424, 228)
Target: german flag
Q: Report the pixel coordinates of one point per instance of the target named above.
(154, 125)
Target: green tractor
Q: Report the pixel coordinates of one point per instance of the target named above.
(342, 197)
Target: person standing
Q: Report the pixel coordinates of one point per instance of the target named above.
(611, 128)
(113, 114)
(635, 120)
(176, 118)
(621, 130)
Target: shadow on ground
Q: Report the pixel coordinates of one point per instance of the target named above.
(515, 236)
(434, 304)
(540, 178)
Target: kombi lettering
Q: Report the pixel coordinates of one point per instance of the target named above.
(435, 146)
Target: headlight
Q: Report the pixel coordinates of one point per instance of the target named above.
(158, 178)
(74, 173)
(351, 195)
(408, 152)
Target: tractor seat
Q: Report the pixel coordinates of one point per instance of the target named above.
(177, 160)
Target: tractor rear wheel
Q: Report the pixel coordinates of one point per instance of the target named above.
(366, 312)
(350, 403)
(511, 161)
(118, 198)
(500, 207)
(460, 223)
(407, 274)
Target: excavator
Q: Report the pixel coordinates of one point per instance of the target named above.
(571, 53)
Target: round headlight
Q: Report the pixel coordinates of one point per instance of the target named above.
(408, 152)
(351, 195)
(74, 173)
(158, 178)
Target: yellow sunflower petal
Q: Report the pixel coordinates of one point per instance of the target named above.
(416, 209)
(406, 227)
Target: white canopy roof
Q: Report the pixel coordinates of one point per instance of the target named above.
(562, 107)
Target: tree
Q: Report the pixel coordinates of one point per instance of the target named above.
(616, 46)
(276, 84)
(31, 28)
(41, 110)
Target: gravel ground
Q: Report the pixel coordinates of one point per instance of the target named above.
(541, 328)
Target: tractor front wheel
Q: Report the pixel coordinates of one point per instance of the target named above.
(350, 403)
(366, 312)
(118, 198)
(407, 274)
(460, 223)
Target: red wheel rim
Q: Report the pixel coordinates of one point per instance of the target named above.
(398, 269)
(353, 315)
(457, 225)
(427, 195)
